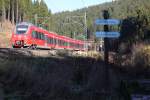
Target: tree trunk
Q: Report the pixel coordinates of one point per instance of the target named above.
(8, 16)
(12, 12)
(17, 11)
(3, 11)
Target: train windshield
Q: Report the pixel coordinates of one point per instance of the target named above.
(21, 29)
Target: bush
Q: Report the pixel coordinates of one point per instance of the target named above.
(90, 54)
(63, 52)
(141, 56)
(94, 54)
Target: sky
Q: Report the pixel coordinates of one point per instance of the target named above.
(70, 5)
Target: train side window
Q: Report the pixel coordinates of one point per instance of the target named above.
(33, 34)
(81, 46)
(55, 41)
(38, 35)
(69, 44)
(43, 37)
(52, 41)
(61, 42)
(58, 42)
(65, 43)
(48, 40)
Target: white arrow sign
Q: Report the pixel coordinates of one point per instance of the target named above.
(107, 34)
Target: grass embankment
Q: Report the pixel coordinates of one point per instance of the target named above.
(133, 70)
(136, 63)
(49, 78)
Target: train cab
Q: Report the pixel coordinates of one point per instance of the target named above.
(20, 36)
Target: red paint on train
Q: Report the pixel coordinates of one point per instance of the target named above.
(28, 35)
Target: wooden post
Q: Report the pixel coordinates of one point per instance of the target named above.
(106, 54)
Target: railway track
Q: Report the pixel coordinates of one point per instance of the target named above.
(39, 52)
(25, 52)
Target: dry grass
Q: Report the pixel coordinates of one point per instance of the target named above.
(136, 63)
(141, 56)
(49, 78)
(91, 54)
(6, 29)
(5, 39)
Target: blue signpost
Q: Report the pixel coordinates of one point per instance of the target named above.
(107, 34)
(107, 21)
(101, 34)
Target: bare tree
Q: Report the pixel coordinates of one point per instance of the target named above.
(12, 12)
(17, 15)
(3, 11)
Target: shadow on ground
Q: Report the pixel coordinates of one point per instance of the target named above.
(24, 77)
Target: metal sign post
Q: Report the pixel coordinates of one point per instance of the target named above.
(106, 35)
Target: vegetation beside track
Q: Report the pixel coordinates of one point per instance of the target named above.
(5, 39)
(27, 77)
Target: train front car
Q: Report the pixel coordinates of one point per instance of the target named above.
(20, 36)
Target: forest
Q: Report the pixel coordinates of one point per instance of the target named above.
(134, 15)
(23, 10)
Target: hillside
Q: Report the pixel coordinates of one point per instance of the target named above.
(121, 9)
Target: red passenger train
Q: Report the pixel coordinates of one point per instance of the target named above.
(28, 35)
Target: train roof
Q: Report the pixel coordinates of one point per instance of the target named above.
(25, 23)
(51, 32)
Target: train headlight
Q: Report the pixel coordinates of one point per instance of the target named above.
(18, 42)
